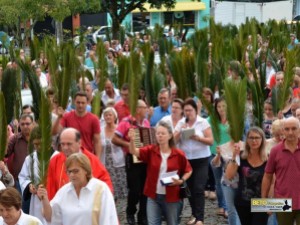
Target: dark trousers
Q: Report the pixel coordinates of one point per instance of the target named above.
(136, 177)
(196, 184)
(249, 218)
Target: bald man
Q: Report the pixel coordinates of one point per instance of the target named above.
(284, 163)
(70, 142)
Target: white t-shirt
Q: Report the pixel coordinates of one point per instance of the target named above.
(161, 189)
(194, 149)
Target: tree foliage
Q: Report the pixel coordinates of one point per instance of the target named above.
(119, 9)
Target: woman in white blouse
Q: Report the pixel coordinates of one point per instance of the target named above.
(195, 136)
(85, 200)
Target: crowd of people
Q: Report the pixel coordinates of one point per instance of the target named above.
(96, 161)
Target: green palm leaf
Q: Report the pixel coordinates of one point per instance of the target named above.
(45, 125)
(236, 96)
(34, 85)
(3, 125)
(9, 87)
(134, 80)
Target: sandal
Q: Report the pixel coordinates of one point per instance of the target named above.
(199, 222)
(191, 221)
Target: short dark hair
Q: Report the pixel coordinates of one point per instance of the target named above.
(10, 197)
(81, 94)
(191, 102)
(125, 87)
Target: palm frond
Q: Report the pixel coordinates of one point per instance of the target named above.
(236, 96)
(9, 87)
(34, 85)
(102, 64)
(45, 125)
(134, 80)
(96, 105)
(3, 125)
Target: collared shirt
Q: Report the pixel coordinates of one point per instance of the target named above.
(122, 109)
(24, 220)
(57, 176)
(125, 125)
(105, 97)
(194, 149)
(285, 165)
(94, 205)
(158, 114)
(175, 162)
(18, 146)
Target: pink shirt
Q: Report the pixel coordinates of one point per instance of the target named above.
(286, 166)
(125, 125)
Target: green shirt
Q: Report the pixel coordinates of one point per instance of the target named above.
(224, 136)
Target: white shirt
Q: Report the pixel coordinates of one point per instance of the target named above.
(25, 178)
(194, 149)
(24, 220)
(43, 80)
(105, 97)
(95, 201)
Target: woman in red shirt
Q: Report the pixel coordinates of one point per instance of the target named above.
(162, 158)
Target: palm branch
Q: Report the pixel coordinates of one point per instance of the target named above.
(148, 74)
(8, 87)
(236, 96)
(3, 126)
(45, 125)
(123, 70)
(96, 104)
(102, 64)
(34, 86)
(134, 80)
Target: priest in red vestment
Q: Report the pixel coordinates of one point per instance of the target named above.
(70, 143)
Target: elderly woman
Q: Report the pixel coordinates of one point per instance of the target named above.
(113, 156)
(251, 171)
(196, 148)
(10, 208)
(162, 158)
(85, 200)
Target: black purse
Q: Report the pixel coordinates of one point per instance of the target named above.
(184, 191)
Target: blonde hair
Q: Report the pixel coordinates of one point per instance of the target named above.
(83, 161)
(276, 126)
(262, 149)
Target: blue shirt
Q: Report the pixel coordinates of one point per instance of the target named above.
(158, 114)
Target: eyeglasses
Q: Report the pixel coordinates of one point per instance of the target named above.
(25, 124)
(74, 171)
(254, 138)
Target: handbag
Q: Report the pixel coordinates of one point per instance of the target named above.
(184, 191)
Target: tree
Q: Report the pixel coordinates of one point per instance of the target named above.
(118, 10)
(16, 13)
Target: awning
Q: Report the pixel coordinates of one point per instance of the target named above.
(179, 6)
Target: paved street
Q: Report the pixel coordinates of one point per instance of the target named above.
(210, 213)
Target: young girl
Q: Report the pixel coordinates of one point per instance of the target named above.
(268, 118)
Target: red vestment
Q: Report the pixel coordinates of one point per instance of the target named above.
(57, 176)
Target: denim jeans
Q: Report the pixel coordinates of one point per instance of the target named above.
(272, 219)
(229, 194)
(157, 207)
(218, 172)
